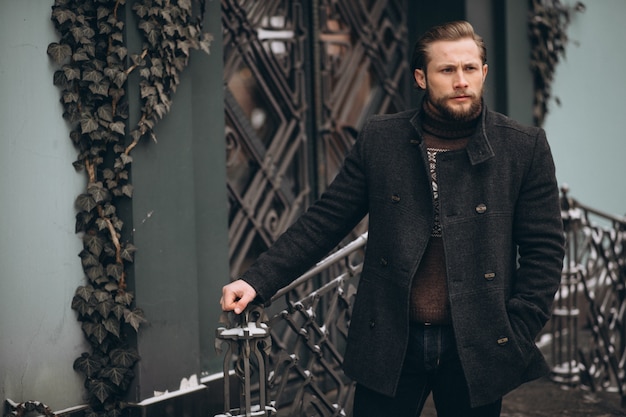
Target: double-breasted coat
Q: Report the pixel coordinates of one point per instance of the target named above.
(502, 234)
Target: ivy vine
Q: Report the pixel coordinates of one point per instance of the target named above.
(94, 68)
(547, 31)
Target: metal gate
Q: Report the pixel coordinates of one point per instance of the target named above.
(301, 77)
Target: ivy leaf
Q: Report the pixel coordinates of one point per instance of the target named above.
(99, 332)
(170, 29)
(109, 210)
(111, 287)
(84, 292)
(121, 52)
(118, 311)
(103, 12)
(95, 273)
(115, 374)
(70, 97)
(59, 80)
(98, 192)
(62, 15)
(117, 127)
(101, 88)
(88, 123)
(124, 357)
(124, 298)
(134, 318)
(104, 28)
(185, 5)
(80, 305)
(82, 221)
(80, 56)
(141, 9)
(100, 389)
(93, 76)
(71, 73)
(112, 325)
(115, 271)
(119, 79)
(88, 327)
(93, 243)
(87, 364)
(102, 295)
(59, 52)
(102, 224)
(184, 46)
(85, 202)
(128, 252)
(126, 159)
(105, 112)
(104, 308)
(205, 42)
(108, 174)
(88, 259)
(127, 190)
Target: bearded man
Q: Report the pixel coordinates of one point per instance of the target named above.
(465, 244)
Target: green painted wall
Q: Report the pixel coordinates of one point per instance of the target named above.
(587, 131)
(39, 264)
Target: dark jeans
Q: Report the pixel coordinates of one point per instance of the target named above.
(431, 365)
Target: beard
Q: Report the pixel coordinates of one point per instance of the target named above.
(453, 113)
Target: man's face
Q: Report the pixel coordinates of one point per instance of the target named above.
(454, 78)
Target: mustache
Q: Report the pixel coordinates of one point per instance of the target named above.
(462, 94)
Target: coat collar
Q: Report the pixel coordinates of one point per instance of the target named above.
(478, 148)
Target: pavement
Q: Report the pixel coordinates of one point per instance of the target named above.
(545, 398)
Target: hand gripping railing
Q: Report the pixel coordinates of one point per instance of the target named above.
(296, 357)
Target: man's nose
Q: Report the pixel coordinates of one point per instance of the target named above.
(459, 80)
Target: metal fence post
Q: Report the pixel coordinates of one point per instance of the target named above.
(249, 342)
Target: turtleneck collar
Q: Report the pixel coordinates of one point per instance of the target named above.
(436, 124)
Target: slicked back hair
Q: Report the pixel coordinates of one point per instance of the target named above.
(451, 31)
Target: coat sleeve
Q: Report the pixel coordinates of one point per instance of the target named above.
(340, 208)
(538, 233)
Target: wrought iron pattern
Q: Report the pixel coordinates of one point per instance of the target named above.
(300, 79)
(266, 139)
(589, 322)
(363, 70)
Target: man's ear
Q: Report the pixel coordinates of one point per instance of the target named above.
(485, 70)
(420, 78)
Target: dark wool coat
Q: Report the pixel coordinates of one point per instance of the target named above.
(502, 234)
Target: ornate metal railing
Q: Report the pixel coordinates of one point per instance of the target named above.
(588, 327)
(308, 323)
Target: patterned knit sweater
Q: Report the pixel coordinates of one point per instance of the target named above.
(429, 290)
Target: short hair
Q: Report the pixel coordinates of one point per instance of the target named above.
(451, 31)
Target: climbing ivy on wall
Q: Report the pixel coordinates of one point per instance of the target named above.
(547, 31)
(95, 64)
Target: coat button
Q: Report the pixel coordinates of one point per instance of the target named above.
(481, 208)
(383, 262)
(503, 340)
(372, 323)
(395, 198)
(489, 276)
